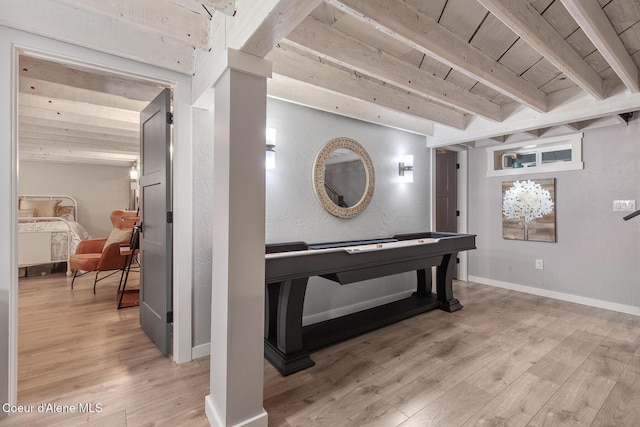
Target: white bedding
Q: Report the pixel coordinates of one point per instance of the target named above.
(58, 231)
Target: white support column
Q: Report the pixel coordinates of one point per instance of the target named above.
(237, 306)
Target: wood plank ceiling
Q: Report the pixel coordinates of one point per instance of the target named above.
(68, 114)
(434, 67)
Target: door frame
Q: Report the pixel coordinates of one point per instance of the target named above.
(23, 43)
(463, 198)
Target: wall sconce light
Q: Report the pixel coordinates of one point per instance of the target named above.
(134, 176)
(270, 158)
(133, 173)
(405, 168)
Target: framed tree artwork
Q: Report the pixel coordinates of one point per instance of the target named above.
(528, 210)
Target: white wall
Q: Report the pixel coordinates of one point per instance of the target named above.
(596, 259)
(293, 212)
(8, 219)
(99, 189)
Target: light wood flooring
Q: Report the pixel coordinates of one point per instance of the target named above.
(506, 359)
(77, 348)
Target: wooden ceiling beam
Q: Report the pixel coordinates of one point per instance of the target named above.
(84, 120)
(70, 126)
(209, 7)
(575, 126)
(533, 28)
(228, 7)
(333, 45)
(298, 92)
(80, 108)
(33, 71)
(98, 32)
(571, 105)
(56, 136)
(68, 148)
(289, 64)
(49, 90)
(162, 16)
(269, 21)
(406, 24)
(255, 29)
(116, 159)
(194, 6)
(594, 22)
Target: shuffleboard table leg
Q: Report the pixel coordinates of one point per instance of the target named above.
(284, 346)
(444, 283)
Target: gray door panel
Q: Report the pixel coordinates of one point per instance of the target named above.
(156, 242)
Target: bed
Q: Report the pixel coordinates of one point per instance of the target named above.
(48, 230)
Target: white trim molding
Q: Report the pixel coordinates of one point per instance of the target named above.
(592, 302)
(201, 350)
(260, 420)
(536, 147)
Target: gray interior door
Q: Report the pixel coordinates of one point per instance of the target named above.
(446, 192)
(155, 211)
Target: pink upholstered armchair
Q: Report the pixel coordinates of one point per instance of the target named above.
(103, 254)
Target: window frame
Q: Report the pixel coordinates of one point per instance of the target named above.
(538, 146)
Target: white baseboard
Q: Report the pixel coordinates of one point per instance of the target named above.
(607, 305)
(260, 420)
(354, 308)
(200, 351)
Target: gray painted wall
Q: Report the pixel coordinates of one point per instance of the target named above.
(99, 189)
(293, 213)
(597, 254)
(202, 223)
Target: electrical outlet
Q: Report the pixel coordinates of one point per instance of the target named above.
(539, 264)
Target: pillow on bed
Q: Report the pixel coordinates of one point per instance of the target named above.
(117, 235)
(26, 213)
(42, 207)
(65, 212)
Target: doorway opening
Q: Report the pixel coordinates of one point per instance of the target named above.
(78, 134)
(450, 197)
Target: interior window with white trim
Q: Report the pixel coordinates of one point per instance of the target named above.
(535, 156)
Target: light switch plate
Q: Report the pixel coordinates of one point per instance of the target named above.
(624, 205)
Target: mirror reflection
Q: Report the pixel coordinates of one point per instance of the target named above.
(345, 179)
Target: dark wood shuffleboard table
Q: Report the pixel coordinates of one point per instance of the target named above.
(288, 267)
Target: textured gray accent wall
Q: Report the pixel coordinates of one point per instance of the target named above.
(597, 254)
(202, 223)
(294, 213)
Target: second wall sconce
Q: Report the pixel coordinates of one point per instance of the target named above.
(405, 168)
(134, 174)
(270, 158)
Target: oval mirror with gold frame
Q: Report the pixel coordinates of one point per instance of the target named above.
(334, 159)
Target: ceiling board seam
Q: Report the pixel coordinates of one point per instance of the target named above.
(478, 28)
(442, 11)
